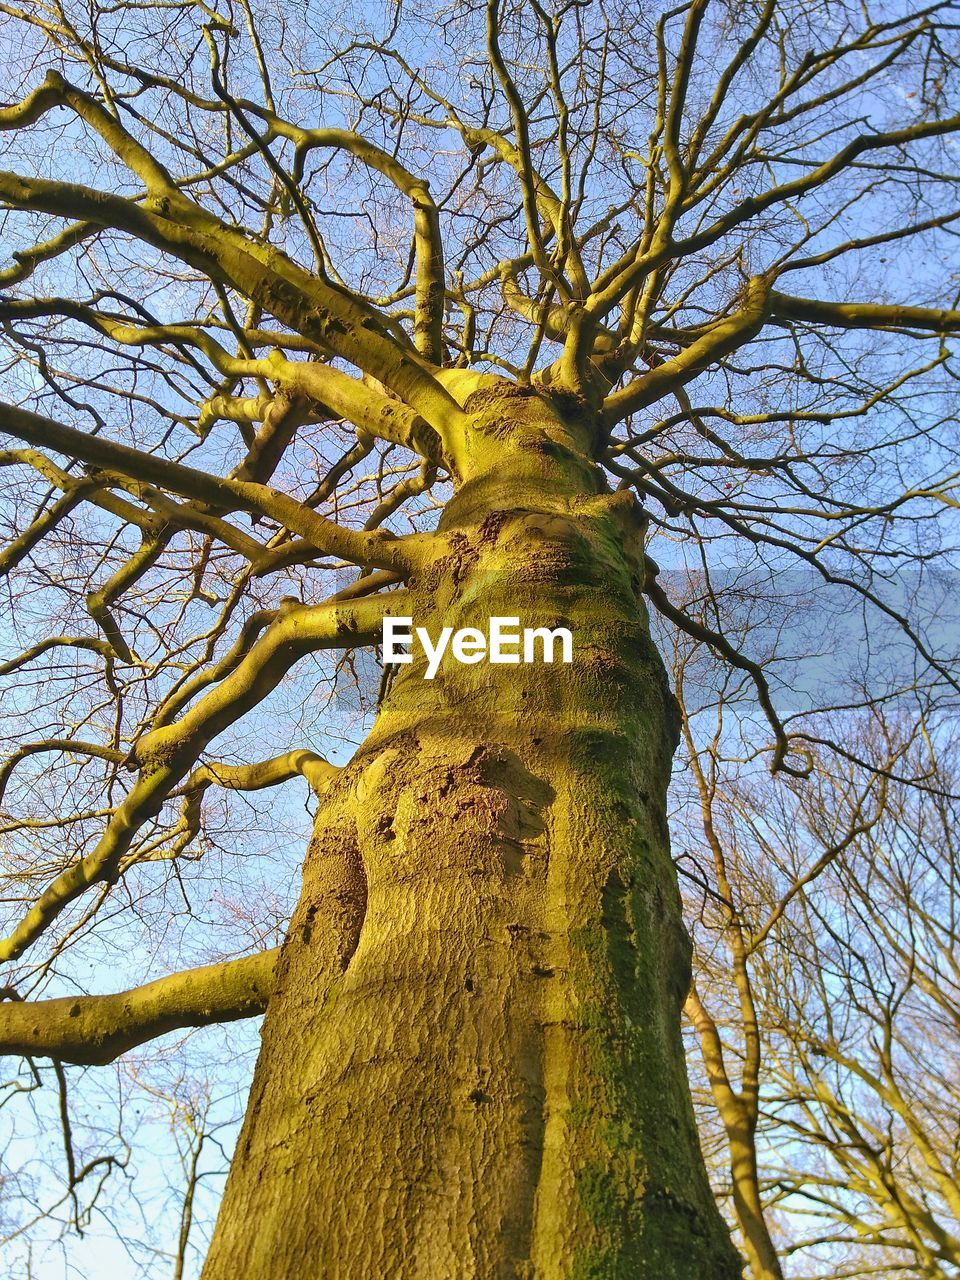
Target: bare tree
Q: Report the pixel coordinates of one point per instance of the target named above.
(825, 1001)
(866, 1040)
(313, 321)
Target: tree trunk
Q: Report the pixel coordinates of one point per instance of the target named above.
(762, 1257)
(472, 1064)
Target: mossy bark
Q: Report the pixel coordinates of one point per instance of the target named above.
(472, 1065)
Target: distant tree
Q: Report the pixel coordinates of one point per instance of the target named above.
(863, 1002)
(314, 318)
(825, 1000)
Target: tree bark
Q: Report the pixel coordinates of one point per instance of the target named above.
(471, 1065)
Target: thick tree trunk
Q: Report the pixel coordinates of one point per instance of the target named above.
(472, 1063)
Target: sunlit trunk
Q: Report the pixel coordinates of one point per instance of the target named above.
(472, 1064)
(762, 1258)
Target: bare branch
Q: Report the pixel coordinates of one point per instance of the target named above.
(97, 1029)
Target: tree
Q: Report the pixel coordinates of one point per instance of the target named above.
(492, 308)
(863, 1060)
(842, 964)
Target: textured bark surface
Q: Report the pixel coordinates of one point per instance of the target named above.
(471, 1065)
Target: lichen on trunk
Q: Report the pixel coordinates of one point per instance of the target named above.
(471, 1065)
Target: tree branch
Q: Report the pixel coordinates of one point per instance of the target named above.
(341, 322)
(377, 549)
(720, 340)
(863, 315)
(94, 1030)
(165, 755)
